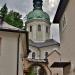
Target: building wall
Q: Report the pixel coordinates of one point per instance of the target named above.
(41, 51)
(67, 45)
(8, 55)
(38, 36)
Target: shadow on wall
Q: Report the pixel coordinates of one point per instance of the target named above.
(66, 70)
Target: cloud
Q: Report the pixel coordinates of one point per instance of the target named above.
(50, 6)
(55, 33)
(24, 6)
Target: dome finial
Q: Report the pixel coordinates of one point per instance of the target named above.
(37, 4)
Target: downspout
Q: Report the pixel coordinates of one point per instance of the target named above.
(18, 41)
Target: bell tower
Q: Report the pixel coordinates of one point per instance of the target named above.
(38, 23)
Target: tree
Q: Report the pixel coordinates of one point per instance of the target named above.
(13, 18)
(4, 10)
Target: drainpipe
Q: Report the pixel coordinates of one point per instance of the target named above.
(18, 41)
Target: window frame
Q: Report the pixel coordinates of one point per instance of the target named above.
(46, 55)
(47, 29)
(33, 55)
(39, 27)
(30, 28)
(63, 23)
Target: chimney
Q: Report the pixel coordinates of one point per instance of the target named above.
(1, 20)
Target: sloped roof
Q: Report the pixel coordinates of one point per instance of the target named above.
(5, 25)
(60, 64)
(9, 28)
(60, 10)
(54, 51)
(47, 43)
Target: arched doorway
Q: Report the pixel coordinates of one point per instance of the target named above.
(37, 70)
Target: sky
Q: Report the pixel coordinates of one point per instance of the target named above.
(54, 29)
(25, 6)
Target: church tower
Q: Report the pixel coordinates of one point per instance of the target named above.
(38, 25)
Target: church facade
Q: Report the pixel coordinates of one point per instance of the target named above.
(44, 50)
(47, 56)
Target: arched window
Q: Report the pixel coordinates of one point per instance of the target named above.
(46, 55)
(33, 55)
(46, 29)
(39, 27)
(30, 28)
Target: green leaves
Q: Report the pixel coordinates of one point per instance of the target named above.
(4, 10)
(12, 18)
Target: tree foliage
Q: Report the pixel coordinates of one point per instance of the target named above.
(13, 18)
(4, 10)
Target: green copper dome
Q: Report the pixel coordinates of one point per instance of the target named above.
(38, 14)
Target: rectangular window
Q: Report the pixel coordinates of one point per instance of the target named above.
(63, 23)
(39, 27)
(46, 55)
(33, 55)
(30, 28)
(46, 29)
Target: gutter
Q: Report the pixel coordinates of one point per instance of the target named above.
(11, 30)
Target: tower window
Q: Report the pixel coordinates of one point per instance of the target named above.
(30, 28)
(46, 55)
(33, 55)
(47, 29)
(63, 23)
(39, 27)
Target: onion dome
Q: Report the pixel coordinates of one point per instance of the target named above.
(37, 12)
